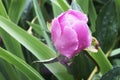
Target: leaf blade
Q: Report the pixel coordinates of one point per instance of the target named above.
(38, 49)
(20, 64)
(15, 9)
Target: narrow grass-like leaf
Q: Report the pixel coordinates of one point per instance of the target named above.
(42, 22)
(56, 8)
(6, 3)
(101, 60)
(84, 5)
(16, 48)
(15, 10)
(65, 6)
(75, 6)
(8, 42)
(3, 68)
(36, 27)
(2, 10)
(20, 64)
(41, 51)
(92, 15)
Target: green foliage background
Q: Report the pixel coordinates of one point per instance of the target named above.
(25, 38)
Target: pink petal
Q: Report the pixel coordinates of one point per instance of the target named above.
(83, 33)
(62, 20)
(67, 44)
(68, 18)
(79, 15)
(56, 30)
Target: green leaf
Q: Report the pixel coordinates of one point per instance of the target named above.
(3, 69)
(117, 4)
(15, 10)
(115, 52)
(81, 66)
(116, 62)
(1, 76)
(6, 4)
(106, 27)
(38, 49)
(2, 10)
(101, 60)
(36, 27)
(102, 1)
(20, 64)
(113, 74)
(75, 6)
(8, 42)
(92, 15)
(16, 46)
(42, 23)
(65, 6)
(84, 5)
(97, 76)
(56, 8)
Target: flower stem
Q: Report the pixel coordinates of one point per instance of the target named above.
(102, 61)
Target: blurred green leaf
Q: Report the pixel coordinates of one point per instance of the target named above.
(97, 76)
(92, 15)
(75, 6)
(36, 27)
(9, 41)
(81, 66)
(16, 48)
(38, 49)
(6, 4)
(116, 61)
(3, 68)
(115, 52)
(106, 27)
(42, 23)
(20, 64)
(117, 4)
(102, 1)
(64, 5)
(1, 76)
(56, 8)
(2, 10)
(113, 74)
(101, 60)
(15, 9)
(84, 5)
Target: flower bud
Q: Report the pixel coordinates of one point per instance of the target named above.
(70, 33)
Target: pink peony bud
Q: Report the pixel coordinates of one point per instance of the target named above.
(70, 33)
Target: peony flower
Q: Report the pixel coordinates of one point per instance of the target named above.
(70, 33)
